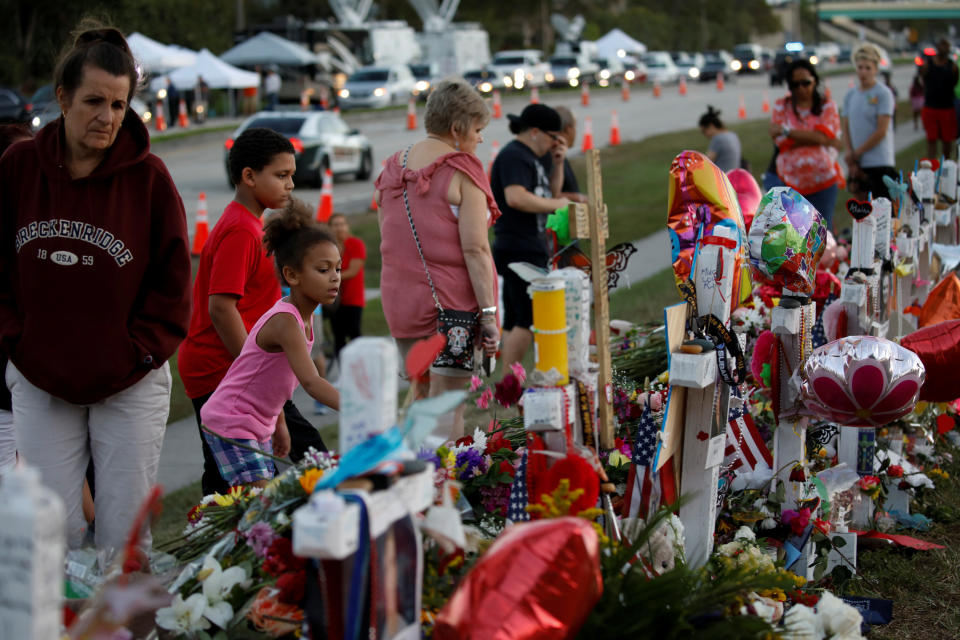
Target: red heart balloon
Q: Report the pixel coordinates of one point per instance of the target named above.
(938, 347)
(859, 209)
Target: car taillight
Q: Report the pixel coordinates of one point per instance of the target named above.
(297, 145)
(228, 144)
(29, 106)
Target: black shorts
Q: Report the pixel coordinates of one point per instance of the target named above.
(517, 306)
(873, 183)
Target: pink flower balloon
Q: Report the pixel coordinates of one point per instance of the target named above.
(862, 381)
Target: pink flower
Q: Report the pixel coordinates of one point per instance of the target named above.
(508, 390)
(796, 520)
(484, 400)
(475, 383)
(868, 483)
(656, 402)
(519, 371)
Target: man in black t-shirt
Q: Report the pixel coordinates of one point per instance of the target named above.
(525, 193)
(939, 117)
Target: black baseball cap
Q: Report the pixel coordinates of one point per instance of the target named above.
(536, 115)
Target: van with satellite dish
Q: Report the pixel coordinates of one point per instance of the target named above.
(520, 68)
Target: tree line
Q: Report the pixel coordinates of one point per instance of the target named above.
(41, 28)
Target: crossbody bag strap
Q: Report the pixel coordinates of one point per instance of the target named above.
(416, 238)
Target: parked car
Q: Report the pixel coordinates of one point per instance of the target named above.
(571, 70)
(49, 110)
(747, 58)
(13, 106)
(688, 63)
(609, 70)
(661, 68)
(782, 61)
(485, 80)
(523, 67)
(321, 140)
(715, 63)
(377, 87)
(425, 76)
(634, 70)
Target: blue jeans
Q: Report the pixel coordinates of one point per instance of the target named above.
(824, 201)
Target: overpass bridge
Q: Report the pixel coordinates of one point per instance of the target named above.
(888, 10)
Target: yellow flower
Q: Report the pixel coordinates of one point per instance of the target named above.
(232, 496)
(664, 377)
(920, 407)
(939, 473)
(309, 479)
(617, 459)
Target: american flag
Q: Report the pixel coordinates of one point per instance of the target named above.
(818, 336)
(517, 509)
(643, 482)
(744, 444)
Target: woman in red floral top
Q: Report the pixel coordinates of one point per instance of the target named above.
(805, 127)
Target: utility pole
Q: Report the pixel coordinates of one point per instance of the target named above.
(241, 18)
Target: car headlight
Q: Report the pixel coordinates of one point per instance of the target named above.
(736, 65)
(147, 116)
(35, 122)
(507, 82)
(344, 93)
(630, 75)
(694, 72)
(548, 77)
(754, 64)
(486, 87)
(422, 85)
(379, 92)
(604, 82)
(573, 72)
(162, 94)
(605, 74)
(574, 82)
(814, 59)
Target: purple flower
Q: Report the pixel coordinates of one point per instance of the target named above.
(470, 463)
(259, 538)
(430, 455)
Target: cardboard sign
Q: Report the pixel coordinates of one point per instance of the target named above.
(675, 320)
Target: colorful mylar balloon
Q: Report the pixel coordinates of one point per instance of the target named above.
(861, 381)
(787, 238)
(539, 580)
(938, 348)
(748, 193)
(700, 198)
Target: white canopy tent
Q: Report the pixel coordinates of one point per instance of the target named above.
(156, 57)
(216, 73)
(269, 48)
(615, 41)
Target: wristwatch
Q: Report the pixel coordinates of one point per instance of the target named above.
(785, 130)
(488, 311)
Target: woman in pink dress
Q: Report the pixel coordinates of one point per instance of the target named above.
(452, 208)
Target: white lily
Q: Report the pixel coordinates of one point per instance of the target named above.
(217, 585)
(184, 616)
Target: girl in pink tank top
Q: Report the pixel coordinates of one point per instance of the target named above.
(276, 354)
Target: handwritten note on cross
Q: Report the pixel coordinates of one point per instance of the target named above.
(589, 221)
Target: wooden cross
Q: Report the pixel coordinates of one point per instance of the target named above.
(589, 221)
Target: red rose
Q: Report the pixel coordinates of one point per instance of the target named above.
(465, 441)
(292, 586)
(508, 391)
(496, 442)
(895, 471)
(280, 558)
(506, 467)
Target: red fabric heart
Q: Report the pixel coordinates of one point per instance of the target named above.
(423, 353)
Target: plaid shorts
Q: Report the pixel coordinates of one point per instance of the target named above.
(238, 465)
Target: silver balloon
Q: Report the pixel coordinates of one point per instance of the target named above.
(861, 381)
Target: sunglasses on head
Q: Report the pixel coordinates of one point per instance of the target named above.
(800, 83)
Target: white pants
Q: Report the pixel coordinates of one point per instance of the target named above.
(123, 433)
(8, 442)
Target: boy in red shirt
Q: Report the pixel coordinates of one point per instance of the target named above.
(345, 320)
(237, 283)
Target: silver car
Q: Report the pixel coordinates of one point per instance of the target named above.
(377, 87)
(321, 140)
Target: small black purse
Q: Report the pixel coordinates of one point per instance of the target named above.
(459, 327)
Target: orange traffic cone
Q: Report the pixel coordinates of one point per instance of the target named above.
(585, 95)
(497, 106)
(720, 84)
(587, 134)
(494, 150)
(202, 229)
(160, 121)
(534, 95)
(182, 120)
(411, 115)
(766, 102)
(742, 109)
(325, 208)
(682, 86)
(614, 129)
(656, 89)
(625, 91)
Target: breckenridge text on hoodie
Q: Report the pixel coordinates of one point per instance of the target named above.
(74, 230)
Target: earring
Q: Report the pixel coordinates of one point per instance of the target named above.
(456, 145)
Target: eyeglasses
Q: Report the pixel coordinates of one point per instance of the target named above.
(553, 136)
(800, 83)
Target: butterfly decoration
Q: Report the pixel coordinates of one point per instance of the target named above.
(617, 258)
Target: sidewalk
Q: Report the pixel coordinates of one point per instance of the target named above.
(181, 461)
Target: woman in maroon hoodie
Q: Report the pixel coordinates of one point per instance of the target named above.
(94, 289)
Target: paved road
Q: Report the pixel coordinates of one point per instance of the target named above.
(198, 164)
